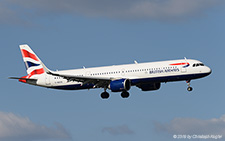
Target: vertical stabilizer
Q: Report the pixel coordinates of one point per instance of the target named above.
(32, 63)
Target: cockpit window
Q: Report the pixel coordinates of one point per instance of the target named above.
(198, 64)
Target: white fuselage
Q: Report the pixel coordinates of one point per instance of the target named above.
(153, 72)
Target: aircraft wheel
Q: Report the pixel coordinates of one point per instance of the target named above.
(189, 89)
(105, 95)
(125, 94)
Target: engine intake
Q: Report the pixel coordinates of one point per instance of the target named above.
(149, 86)
(120, 85)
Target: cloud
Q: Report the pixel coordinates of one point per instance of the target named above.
(192, 126)
(24, 10)
(14, 127)
(119, 130)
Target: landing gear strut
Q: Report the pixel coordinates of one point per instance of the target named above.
(125, 94)
(189, 87)
(105, 95)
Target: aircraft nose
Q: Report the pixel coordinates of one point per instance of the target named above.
(208, 70)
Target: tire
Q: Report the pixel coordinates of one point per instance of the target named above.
(189, 89)
(125, 94)
(104, 95)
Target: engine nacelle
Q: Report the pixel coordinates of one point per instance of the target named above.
(120, 85)
(149, 86)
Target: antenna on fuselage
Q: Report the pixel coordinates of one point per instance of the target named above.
(135, 62)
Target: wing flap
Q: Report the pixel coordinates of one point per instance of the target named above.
(97, 81)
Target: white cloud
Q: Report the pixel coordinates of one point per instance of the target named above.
(119, 130)
(190, 126)
(173, 10)
(14, 127)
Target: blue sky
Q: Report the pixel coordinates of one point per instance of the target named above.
(73, 34)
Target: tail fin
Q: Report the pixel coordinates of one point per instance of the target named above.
(33, 64)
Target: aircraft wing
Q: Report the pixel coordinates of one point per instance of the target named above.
(97, 81)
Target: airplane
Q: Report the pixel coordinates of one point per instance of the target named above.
(117, 78)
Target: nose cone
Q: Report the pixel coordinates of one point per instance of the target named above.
(208, 70)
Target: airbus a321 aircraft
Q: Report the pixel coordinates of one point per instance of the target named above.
(118, 78)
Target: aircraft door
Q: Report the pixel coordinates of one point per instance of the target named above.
(183, 69)
(88, 73)
(47, 79)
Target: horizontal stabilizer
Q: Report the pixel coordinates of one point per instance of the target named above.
(25, 80)
(21, 78)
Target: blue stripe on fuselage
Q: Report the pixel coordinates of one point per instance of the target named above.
(186, 66)
(73, 87)
(168, 78)
(138, 81)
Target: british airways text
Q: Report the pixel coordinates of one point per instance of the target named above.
(164, 70)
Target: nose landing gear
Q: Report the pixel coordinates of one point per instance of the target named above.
(189, 87)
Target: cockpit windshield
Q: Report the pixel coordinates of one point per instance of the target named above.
(198, 64)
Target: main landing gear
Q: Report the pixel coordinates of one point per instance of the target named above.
(189, 87)
(125, 94)
(105, 95)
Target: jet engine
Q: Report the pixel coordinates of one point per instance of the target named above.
(149, 86)
(120, 85)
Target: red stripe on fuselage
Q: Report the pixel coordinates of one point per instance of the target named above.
(25, 53)
(37, 71)
(179, 64)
